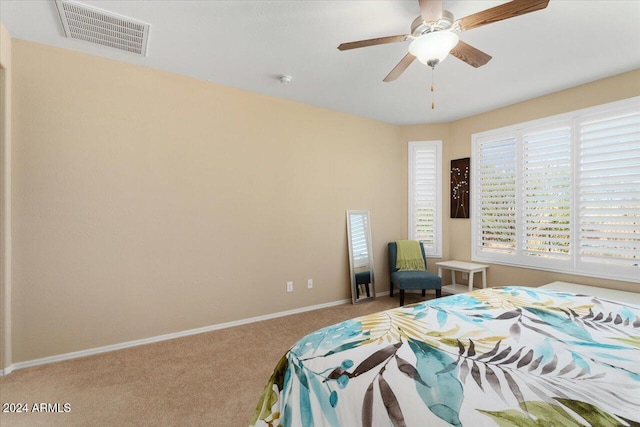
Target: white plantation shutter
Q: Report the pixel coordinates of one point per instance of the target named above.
(561, 193)
(359, 227)
(546, 193)
(496, 191)
(425, 195)
(609, 194)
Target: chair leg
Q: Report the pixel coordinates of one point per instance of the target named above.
(401, 297)
(438, 293)
(391, 289)
(423, 293)
(368, 291)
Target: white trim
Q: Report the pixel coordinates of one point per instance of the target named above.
(128, 344)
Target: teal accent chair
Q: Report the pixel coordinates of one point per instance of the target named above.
(363, 278)
(411, 279)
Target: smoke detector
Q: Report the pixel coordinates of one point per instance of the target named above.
(285, 80)
(98, 26)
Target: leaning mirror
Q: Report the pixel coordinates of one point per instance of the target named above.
(360, 256)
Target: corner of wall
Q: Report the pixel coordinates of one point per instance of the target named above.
(5, 201)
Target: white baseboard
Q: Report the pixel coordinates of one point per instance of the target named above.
(107, 348)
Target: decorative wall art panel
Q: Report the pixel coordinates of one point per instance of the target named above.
(460, 188)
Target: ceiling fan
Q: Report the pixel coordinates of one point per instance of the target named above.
(434, 34)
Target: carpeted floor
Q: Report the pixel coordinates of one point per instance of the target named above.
(212, 379)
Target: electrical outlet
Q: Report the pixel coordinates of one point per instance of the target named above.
(310, 284)
(289, 286)
(465, 276)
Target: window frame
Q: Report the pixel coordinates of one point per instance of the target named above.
(575, 264)
(435, 146)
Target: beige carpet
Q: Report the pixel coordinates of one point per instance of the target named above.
(212, 379)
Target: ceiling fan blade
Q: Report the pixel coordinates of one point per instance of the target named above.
(399, 68)
(373, 42)
(504, 11)
(470, 55)
(430, 10)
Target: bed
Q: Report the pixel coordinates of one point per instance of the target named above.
(512, 356)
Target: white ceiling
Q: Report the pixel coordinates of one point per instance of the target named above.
(248, 44)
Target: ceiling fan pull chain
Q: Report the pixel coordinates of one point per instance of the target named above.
(433, 104)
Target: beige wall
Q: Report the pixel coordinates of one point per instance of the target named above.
(146, 203)
(5, 199)
(457, 144)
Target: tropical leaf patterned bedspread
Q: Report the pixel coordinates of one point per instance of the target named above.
(511, 356)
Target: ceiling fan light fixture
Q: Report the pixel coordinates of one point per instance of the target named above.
(433, 48)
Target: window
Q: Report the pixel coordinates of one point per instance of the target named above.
(561, 193)
(425, 195)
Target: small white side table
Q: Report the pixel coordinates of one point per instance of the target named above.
(463, 267)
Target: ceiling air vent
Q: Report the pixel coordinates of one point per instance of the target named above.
(98, 26)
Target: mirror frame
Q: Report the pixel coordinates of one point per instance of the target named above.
(352, 267)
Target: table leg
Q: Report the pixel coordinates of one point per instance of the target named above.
(471, 281)
(484, 278)
(453, 277)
